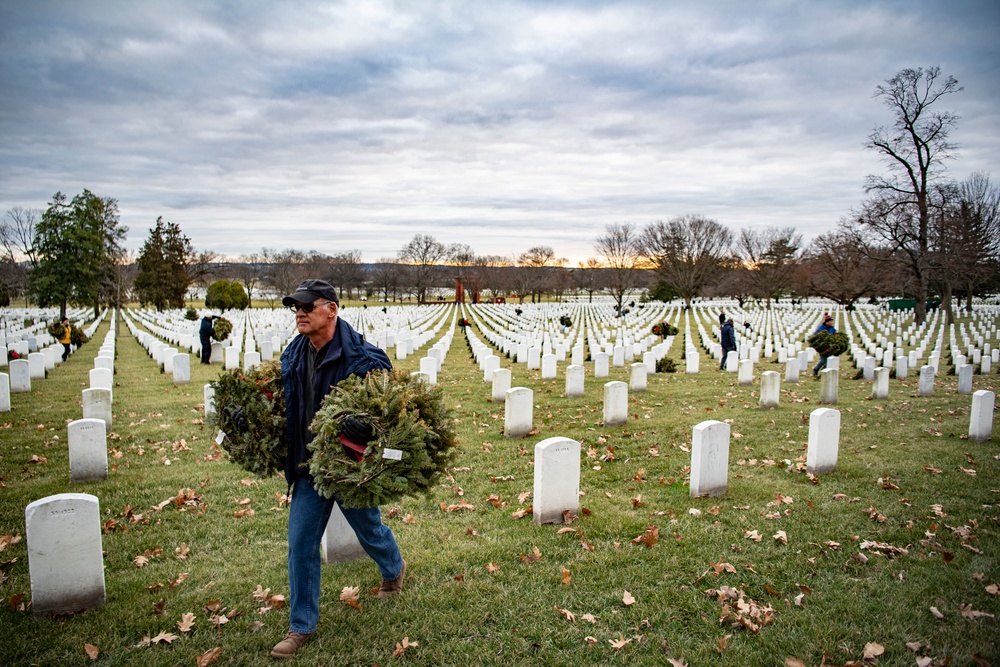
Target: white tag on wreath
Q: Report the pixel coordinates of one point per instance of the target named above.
(219, 438)
(394, 454)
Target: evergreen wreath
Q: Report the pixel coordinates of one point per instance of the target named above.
(403, 414)
(250, 410)
(56, 330)
(221, 328)
(829, 345)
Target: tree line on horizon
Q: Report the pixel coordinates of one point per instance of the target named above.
(917, 234)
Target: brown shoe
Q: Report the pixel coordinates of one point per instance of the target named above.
(392, 587)
(287, 647)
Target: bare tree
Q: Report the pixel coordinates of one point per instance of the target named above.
(839, 267)
(623, 258)
(974, 223)
(771, 256)
(17, 234)
(203, 268)
(589, 278)
(422, 255)
(687, 252)
(346, 271)
(248, 270)
(914, 149)
(533, 276)
(494, 274)
(385, 278)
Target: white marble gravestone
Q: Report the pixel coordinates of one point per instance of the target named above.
(792, 370)
(880, 383)
(829, 386)
(101, 378)
(20, 376)
(575, 375)
(745, 376)
(709, 458)
(770, 389)
(36, 366)
(637, 378)
(339, 543)
(429, 365)
(88, 450)
(232, 357)
(501, 383)
(549, 367)
(250, 360)
(824, 440)
(97, 405)
(4, 392)
(981, 418)
(926, 387)
(615, 403)
(557, 479)
(965, 379)
(518, 412)
(65, 563)
(181, 368)
(601, 365)
(209, 399)
(490, 364)
(218, 352)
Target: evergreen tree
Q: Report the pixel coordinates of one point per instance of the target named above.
(77, 244)
(163, 276)
(226, 295)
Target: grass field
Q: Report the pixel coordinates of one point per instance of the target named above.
(895, 551)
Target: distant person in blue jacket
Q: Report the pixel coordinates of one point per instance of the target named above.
(826, 327)
(205, 333)
(728, 336)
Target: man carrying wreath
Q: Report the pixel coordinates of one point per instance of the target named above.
(327, 352)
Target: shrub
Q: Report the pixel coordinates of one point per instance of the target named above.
(191, 314)
(226, 295)
(666, 365)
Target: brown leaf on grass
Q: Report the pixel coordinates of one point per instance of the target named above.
(261, 593)
(637, 501)
(619, 643)
(492, 567)
(159, 607)
(496, 501)
(564, 530)
(182, 551)
(970, 613)
(7, 540)
(677, 662)
(92, 651)
(780, 536)
(794, 662)
(521, 513)
(936, 612)
(213, 606)
(140, 561)
(650, 537)
(174, 583)
(536, 554)
(721, 567)
(242, 514)
(566, 578)
(627, 599)
(186, 622)
(873, 650)
(752, 535)
(349, 594)
(590, 618)
(402, 646)
(521, 497)
(163, 638)
(460, 506)
(208, 657)
(993, 589)
(570, 616)
(276, 601)
(590, 640)
(35, 458)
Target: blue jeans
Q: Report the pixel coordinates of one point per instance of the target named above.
(821, 365)
(307, 520)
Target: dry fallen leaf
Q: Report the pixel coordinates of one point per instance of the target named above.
(780, 536)
(570, 616)
(535, 555)
(752, 535)
(794, 662)
(970, 613)
(164, 637)
(566, 578)
(873, 650)
(627, 599)
(349, 594)
(492, 567)
(187, 620)
(590, 640)
(590, 618)
(620, 642)
(182, 551)
(401, 647)
(208, 657)
(937, 614)
(92, 651)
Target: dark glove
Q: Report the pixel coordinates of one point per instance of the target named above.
(236, 419)
(355, 434)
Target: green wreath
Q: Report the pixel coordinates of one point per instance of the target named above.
(250, 410)
(56, 330)
(221, 328)
(829, 345)
(405, 415)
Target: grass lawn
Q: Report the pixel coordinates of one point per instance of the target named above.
(898, 548)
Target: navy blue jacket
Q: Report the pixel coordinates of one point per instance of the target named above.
(206, 328)
(348, 353)
(828, 328)
(728, 336)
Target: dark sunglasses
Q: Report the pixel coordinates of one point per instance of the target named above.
(307, 307)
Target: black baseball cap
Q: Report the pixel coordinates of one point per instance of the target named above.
(310, 290)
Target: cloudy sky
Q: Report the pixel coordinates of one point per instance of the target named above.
(500, 124)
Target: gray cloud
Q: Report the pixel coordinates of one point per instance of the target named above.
(502, 125)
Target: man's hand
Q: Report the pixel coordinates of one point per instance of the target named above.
(236, 419)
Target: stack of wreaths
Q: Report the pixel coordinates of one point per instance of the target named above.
(377, 438)
(829, 345)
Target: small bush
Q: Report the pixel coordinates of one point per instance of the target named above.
(666, 365)
(191, 314)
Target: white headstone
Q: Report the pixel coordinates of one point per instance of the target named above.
(250, 361)
(218, 352)
(833, 363)
(209, 394)
(557, 479)
(232, 357)
(4, 392)
(637, 379)
(104, 362)
(926, 387)
(618, 356)
(965, 379)
(88, 450)
(20, 377)
(548, 366)
(182, 368)
(709, 458)
(829, 386)
(770, 389)
(791, 370)
(36, 366)
(902, 367)
(981, 419)
(732, 361)
(518, 412)
(745, 377)
(339, 543)
(490, 365)
(267, 351)
(429, 365)
(501, 383)
(601, 365)
(869, 369)
(65, 562)
(101, 378)
(880, 384)
(615, 403)
(575, 375)
(97, 405)
(824, 440)
(692, 360)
